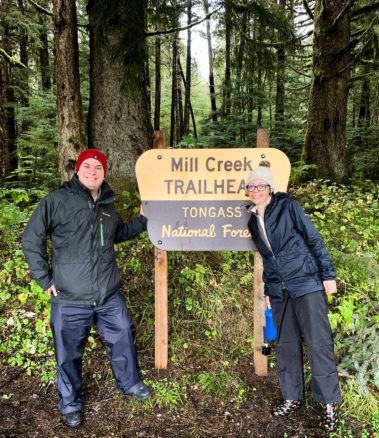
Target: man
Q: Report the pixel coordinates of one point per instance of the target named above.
(83, 279)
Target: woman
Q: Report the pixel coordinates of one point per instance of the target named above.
(298, 276)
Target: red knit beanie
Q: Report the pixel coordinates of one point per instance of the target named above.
(92, 153)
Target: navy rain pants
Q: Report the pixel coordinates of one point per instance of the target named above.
(306, 318)
(71, 325)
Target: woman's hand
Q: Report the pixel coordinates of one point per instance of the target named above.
(330, 286)
(268, 302)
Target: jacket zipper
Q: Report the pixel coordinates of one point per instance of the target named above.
(101, 232)
(272, 252)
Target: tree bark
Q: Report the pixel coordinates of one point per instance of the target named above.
(7, 114)
(280, 80)
(325, 139)
(24, 74)
(187, 95)
(174, 90)
(364, 104)
(158, 90)
(44, 54)
(210, 58)
(71, 130)
(119, 118)
(190, 105)
(179, 107)
(227, 78)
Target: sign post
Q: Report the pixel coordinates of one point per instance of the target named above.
(260, 361)
(161, 288)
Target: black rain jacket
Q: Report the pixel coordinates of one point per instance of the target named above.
(299, 260)
(83, 233)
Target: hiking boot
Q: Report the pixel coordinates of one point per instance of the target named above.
(329, 421)
(285, 408)
(139, 391)
(72, 419)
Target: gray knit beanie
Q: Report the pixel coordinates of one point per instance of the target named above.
(263, 172)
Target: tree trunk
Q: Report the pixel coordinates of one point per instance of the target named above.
(179, 108)
(325, 139)
(210, 58)
(259, 87)
(71, 130)
(227, 79)
(24, 73)
(187, 95)
(364, 104)
(280, 81)
(174, 90)
(7, 115)
(190, 105)
(158, 78)
(44, 54)
(119, 118)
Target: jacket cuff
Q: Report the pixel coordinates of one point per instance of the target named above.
(143, 220)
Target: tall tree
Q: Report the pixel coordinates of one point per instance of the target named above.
(325, 139)
(227, 77)
(158, 88)
(24, 58)
(7, 102)
(280, 79)
(71, 128)
(174, 91)
(187, 95)
(44, 53)
(119, 119)
(210, 60)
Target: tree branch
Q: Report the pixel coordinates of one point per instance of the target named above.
(344, 11)
(355, 57)
(11, 60)
(365, 9)
(300, 72)
(40, 8)
(179, 29)
(357, 37)
(308, 9)
(299, 88)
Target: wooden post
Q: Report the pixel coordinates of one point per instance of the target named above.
(260, 361)
(161, 288)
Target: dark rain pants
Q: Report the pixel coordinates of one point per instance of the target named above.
(71, 325)
(306, 319)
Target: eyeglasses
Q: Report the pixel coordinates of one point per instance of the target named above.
(259, 187)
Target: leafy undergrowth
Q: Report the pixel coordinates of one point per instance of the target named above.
(210, 332)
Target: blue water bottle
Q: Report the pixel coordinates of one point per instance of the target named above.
(270, 331)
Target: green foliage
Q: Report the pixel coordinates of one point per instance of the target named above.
(37, 145)
(210, 304)
(222, 384)
(347, 219)
(166, 393)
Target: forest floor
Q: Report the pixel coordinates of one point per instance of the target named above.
(28, 409)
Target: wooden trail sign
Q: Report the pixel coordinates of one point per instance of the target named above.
(195, 200)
